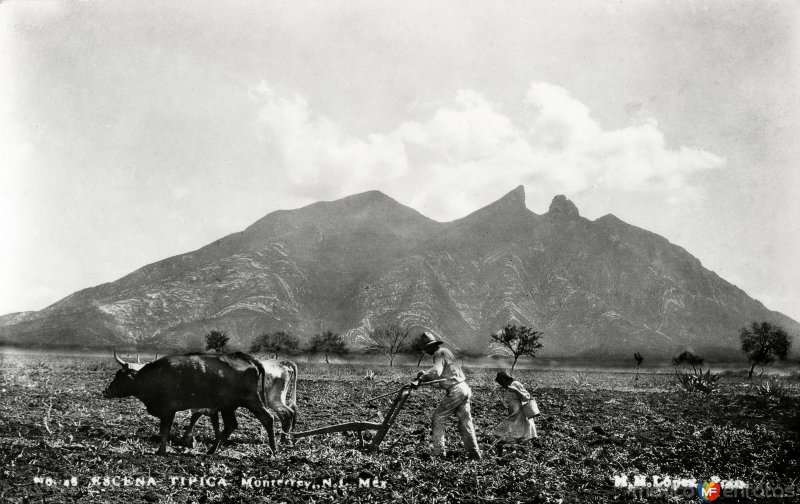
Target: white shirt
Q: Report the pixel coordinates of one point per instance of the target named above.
(444, 367)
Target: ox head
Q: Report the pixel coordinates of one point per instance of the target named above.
(123, 383)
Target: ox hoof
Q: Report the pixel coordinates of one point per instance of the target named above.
(188, 442)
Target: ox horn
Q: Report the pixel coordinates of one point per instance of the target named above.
(120, 361)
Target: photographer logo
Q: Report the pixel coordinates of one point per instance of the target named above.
(708, 490)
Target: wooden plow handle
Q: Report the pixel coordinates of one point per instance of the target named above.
(382, 428)
(418, 384)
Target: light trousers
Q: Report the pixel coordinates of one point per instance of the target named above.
(456, 401)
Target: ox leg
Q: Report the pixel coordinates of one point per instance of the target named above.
(286, 415)
(294, 415)
(188, 440)
(166, 425)
(292, 421)
(215, 423)
(258, 410)
(229, 417)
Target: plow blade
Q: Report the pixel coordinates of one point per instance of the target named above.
(359, 427)
(345, 427)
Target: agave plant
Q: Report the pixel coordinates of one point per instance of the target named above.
(580, 380)
(771, 387)
(697, 381)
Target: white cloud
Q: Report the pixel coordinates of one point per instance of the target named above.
(317, 156)
(467, 152)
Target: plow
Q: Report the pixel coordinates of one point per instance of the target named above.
(381, 429)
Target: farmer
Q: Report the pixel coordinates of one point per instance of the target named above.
(516, 427)
(456, 399)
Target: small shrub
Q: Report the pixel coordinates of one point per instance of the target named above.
(369, 375)
(688, 358)
(639, 360)
(697, 381)
(580, 380)
(771, 387)
(217, 341)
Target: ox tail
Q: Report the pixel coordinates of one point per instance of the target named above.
(293, 384)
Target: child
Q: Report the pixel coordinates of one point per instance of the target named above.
(516, 427)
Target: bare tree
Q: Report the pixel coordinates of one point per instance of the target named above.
(519, 340)
(763, 342)
(388, 341)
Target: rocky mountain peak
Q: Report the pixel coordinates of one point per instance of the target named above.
(511, 206)
(512, 203)
(561, 206)
(514, 200)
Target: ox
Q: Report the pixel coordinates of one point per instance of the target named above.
(280, 377)
(280, 380)
(195, 381)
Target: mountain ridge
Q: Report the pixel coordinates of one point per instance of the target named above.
(594, 287)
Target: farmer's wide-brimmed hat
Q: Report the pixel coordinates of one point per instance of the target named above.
(430, 340)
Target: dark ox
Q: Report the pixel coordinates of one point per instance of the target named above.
(279, 393)
(214, 382)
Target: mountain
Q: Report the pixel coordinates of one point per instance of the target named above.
(595, 288)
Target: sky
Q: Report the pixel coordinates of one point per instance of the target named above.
(135, 131)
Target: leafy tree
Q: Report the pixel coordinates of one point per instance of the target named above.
(279, 342)
(328, 343)
(520, 340)
(639, 360)
(688, 358)
(417, 348)
(388, 341)
(763, 342)
(217, 341)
